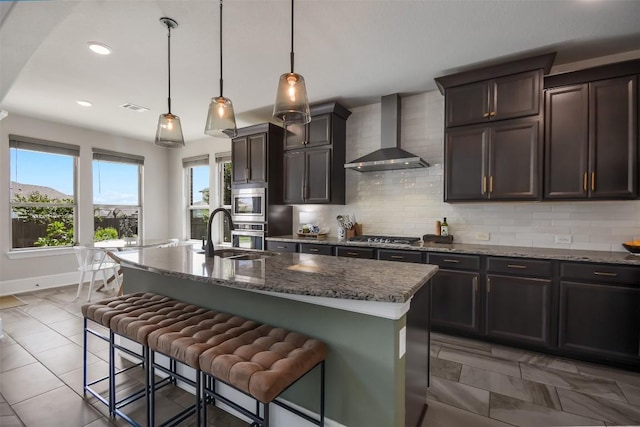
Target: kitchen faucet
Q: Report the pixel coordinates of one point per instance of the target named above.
(208, 249)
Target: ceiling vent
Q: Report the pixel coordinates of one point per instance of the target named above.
(134, 107)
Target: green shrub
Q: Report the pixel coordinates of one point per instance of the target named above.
(108, 233)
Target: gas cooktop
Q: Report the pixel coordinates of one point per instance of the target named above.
(385, 239)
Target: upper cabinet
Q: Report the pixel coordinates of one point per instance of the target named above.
(314, 157)
(516, 95)
(256, 153)
(591, 138)
(493, 135)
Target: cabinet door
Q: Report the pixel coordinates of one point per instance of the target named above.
(318, 176)
(613, 135)
(465, 167)
(514, 160)
(517, 95)
(601, 320)
(319, 130)
(455, 303)
(467, 104)
(240, 159)
(347, 251)
(519, 309)
(258, 157)
(310, 248)
(281, 246)
(566, 142)
(295, 136)
(294, 171)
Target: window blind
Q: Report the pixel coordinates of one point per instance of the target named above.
(51, 147)
(112, 156)
(190, 162)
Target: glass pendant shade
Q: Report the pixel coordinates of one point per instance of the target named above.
(221, 121)
(169, 133)
(292, 105)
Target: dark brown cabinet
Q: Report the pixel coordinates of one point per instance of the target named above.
(400, 255)
(508, 97)
(600, 311)
(314, 156)
(276, 246)
(591, 140)
(518, 301)
(498, 162)
(317, 132)
(311, 248)
(455, 302)
(348, 251)
(256, 154)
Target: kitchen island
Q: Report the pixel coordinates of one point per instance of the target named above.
(373, 315)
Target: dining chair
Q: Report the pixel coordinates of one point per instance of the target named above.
(93, 260)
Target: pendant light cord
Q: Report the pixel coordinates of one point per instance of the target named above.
(220, 48)
(292, 36)
(169, 63)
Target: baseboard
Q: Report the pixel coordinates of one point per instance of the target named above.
(29, 284)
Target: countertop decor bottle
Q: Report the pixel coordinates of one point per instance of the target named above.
(438, 228)
(444, 228)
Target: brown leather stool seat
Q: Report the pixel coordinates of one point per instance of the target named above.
(261, 361)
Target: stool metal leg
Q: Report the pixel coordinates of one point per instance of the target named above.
(112, 374)
(84, 358)
(322, 393)
(266, 415)
(152, 390)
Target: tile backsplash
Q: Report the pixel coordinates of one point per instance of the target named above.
(409, 202)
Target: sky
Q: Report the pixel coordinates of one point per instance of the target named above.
(113, 183)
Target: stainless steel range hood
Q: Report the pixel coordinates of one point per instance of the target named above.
(390, 155)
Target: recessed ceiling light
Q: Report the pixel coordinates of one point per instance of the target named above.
(99, 48)
(84, 103)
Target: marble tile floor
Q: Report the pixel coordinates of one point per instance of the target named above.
(473, 383)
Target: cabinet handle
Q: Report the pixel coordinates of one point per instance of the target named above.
(313, 250)
(475, 284)
(491, 184)
(603, 273)
(492, 114)
(352, 253)
(303, 193)
(516, 266)
(246, 174)
(485, 115)
(488, 285)
(484, 185)
(584, 182)
(593, 181)
(280, 247)
(397, 257)
(455, 261)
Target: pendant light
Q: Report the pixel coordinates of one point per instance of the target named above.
(169, 133)
(292, 105)
(221, 121)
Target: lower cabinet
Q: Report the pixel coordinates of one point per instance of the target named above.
(519, 309)
(348, 251)
(276, 246)
(455, 304)
(455, 296)
(312, 248)
(600, 311)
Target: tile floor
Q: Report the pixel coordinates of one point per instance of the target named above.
(473, 383)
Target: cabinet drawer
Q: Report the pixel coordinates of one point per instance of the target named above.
(402, 256)
(355, 252)
(601, 273)
(465, 262)
(282, 246)
(520, 266)
(309, 248)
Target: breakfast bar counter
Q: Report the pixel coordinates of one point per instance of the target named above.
(373, 315)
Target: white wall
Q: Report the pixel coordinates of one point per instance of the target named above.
(49, 270)
(408, 203)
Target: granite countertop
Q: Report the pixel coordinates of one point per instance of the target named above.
(288, 273)
(495, 250)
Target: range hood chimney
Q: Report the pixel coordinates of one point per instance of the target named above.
(390, 155)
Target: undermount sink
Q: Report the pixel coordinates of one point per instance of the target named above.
(241, 254)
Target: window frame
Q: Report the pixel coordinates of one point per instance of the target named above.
(221, 160)
(187, 164)
(100, 154)
(19, 142)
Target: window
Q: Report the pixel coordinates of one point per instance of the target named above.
(42, 192)
(117, 195)
(225, 169)
(197, 182)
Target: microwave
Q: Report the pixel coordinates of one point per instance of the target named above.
(248, 204)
